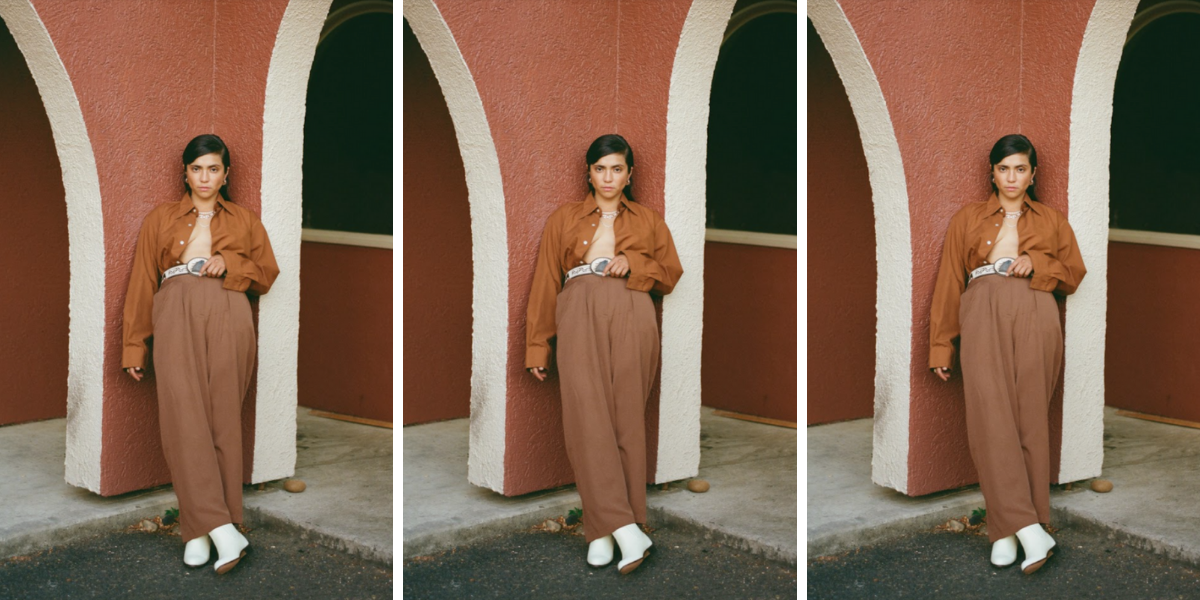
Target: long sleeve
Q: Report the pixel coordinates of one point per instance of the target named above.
(660, 271)
(947, 295)
(254, 270)
(543, 297)
(137, 326)
(1062, 272)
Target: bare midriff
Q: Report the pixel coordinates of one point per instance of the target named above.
(200, 242)
(1006, 244)
(604, 242)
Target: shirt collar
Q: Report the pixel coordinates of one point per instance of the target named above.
(590, 205)
(993, 205)
(186, 205)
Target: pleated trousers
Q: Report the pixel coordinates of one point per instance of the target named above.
(607, 352)
(1011, 353)
(204, 350)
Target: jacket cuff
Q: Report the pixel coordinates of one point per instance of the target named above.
(941, 356)
(133, 356)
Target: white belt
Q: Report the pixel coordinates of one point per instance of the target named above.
(191, 268)
(1000, 267)
(596, 268)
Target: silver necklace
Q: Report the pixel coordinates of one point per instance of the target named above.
(607, 218)
(206, 215)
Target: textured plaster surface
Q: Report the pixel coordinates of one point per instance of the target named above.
(841, 309)
(894, 243)
(87, 243)
(486, 193)
(282, 125)
(683, 311)
(945, 125)
(34, 244)
(437, 252)
(1091, 120)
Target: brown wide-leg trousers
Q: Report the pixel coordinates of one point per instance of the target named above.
(607, 358)
(204, 349)
(1011, 353)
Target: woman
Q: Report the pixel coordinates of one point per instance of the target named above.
(598, 261)
(1010, 254)
(196, 259)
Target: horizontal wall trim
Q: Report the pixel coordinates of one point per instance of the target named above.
(346, 238)
(1154, 238)
(750, 238)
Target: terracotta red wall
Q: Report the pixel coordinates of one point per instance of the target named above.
(34, 247)
(345, 352)
(841, 252)
(437, 250)
(956, 77)
(542, 121)
(149, 77)
(748, 361)
(1151, 348)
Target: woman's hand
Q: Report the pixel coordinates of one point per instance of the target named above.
(942, 372)
(135, 373)
(214, 267)
(539, 372)
(617, 267)
(1022, 267)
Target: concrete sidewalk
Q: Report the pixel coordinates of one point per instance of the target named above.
(1153, 468)
(751, 504)
(347, 504)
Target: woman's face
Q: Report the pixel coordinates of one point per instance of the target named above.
(1012, 176)
(206, 175)
(609, 175)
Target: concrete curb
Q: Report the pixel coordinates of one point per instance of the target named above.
(850, 539)
(1083, 521)
(458, 534)
(659, 515)
(308, 532)
(66, 532)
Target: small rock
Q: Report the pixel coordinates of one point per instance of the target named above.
(698, 486)
(572, 519)
(148, 526)
(552, 525)
(955, 525)
(168, 520)
(294, 486)
(1102, 486)
(975, 520)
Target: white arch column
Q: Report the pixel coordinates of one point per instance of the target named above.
(85, 232)
(489, 288)
(893, 248)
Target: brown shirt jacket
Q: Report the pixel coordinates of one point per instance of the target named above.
(641, 235)
(1043, 234)
(237, 236)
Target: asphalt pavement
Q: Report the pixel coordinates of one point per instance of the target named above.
(940, 564)
(134, 564)
(541, 564)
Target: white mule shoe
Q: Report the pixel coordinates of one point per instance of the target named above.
(197, 552)
(231, 547)
(1004, 551)
(600, 551)
(635, 547)
(1037, 544)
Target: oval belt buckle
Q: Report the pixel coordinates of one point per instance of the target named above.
(194, 265)
(598, 266)
(1003, 265)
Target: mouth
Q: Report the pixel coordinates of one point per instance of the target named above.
(1011, 188)
(608, 189)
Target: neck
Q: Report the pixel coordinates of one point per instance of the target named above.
(204, 205)
(608, 205)
(1012, 205)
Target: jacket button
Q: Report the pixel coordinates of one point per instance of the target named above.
(584, 243)
(989, 242)
(181, 242)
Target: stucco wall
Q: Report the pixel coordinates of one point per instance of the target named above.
(841, 252)
(34, 246)
(437, 250)
(135, 63)
(981, 70)
(603, 67)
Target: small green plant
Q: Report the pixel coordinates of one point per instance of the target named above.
(574, 515)
(978, 516)
(170, 516)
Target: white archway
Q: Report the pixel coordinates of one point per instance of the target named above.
(485, 193)
(893, 248)
(85, 370)
(1087, 196)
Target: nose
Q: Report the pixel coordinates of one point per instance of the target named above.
(608, 177)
